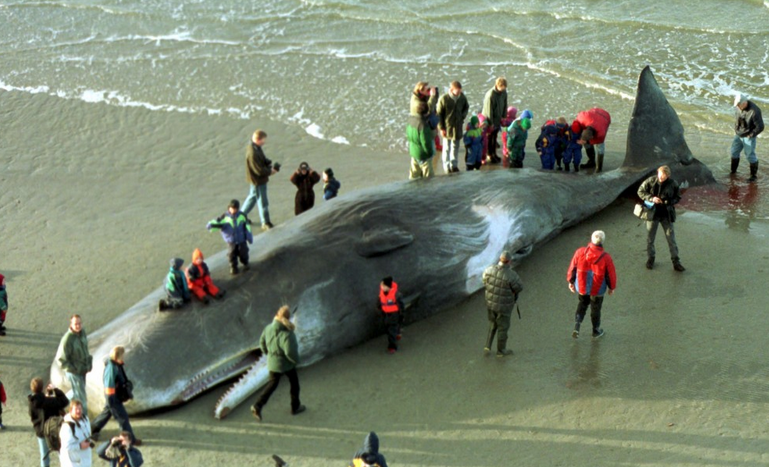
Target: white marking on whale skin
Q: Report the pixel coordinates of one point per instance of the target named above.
(311, 327)
(499, 231)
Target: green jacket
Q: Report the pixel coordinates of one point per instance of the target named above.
(73, 353)
(502, 287)
(495, 106)
(516, 136)
(421, 139)
(3, 299)
(452, 114)
(280, 345)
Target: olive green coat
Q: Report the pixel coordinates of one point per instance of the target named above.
(280, 345)
(502, 287)
(73, 353)
(452, 114)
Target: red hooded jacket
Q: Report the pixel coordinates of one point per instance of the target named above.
(597, 118)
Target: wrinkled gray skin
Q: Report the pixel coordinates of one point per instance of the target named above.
(434, 236)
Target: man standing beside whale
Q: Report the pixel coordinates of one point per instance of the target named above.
(502, 288)
(749, 125)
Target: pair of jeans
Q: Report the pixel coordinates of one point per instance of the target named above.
(77, 383)
(670, 235)
(257, 195)
(113, 408)
(272, 385)
(595, 303)
(45, 454)
(449, 154)
(748, 145)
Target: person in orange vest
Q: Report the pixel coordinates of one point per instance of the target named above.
(391, 305)
(199, 279)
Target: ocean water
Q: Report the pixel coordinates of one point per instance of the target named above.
(343, 70)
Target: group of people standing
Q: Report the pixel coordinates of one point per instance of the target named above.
(439, 123)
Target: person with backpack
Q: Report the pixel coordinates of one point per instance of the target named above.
(42, 408)
(120, 452)
(75, 436)
(117, 389)
(369, 455)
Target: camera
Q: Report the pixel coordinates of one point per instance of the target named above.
(276, 166)
(91, 443)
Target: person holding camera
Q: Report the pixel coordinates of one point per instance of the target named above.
(117, 389)
(120, 451)
(43, 406)
(423, 93)
(259, 169)
(75, 437)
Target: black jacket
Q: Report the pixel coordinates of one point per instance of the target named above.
(667, 191)
(42, 407)
(749, 122)
(370, 452)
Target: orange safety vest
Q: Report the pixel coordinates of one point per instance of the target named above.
(387, 301)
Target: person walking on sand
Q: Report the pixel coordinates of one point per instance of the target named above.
(304, 179)
(259, 169)
(502, 286)
(591, 272)
(663, 192)
(278, 342)
(117, 390)
(452, 111)
(75, 359)
(749, 125)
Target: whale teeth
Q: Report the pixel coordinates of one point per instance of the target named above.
(221, 411)
(206, 379)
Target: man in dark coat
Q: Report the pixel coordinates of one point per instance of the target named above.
(452, 111)
(120, 451)
(43, 406)
(258, 172)
(749, 125)
(502, 288)
(304, 179)
(663, 193)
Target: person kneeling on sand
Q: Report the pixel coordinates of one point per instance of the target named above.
(369, 455)
(177, 293)
(199, 279)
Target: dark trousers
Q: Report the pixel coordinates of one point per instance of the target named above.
(499, 325)
(595, 304)
(114, 408)
(272, 385)
(238, 250)
(590, 153)
(392, 322)
(670, 236)
(492, 142)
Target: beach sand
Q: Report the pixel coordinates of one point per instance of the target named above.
(89, 222)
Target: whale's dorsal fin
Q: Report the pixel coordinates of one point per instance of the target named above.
(655, 134)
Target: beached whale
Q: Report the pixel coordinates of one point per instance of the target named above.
(434, 236)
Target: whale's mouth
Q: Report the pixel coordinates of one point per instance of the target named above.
(217, 374)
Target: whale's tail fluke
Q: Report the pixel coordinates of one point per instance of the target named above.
(656, 136)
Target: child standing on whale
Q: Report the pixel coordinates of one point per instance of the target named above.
(236, 231)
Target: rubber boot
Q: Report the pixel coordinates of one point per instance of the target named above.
(575, 332)
(565, 167)
(490, 339)
(590, 153)
(599, 163)
(576, 167)
(753, 171)
(678, 266)
(735, 164)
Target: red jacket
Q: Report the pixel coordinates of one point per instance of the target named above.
(592, 271)
(597, 118)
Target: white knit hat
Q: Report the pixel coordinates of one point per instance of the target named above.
(740, 98)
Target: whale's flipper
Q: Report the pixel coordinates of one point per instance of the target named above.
(656, 136)
(382, 240)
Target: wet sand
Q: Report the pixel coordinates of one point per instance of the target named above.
(96, 199)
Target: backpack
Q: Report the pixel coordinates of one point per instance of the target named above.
(51, 429)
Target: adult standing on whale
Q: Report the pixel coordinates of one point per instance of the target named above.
(749, 125)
